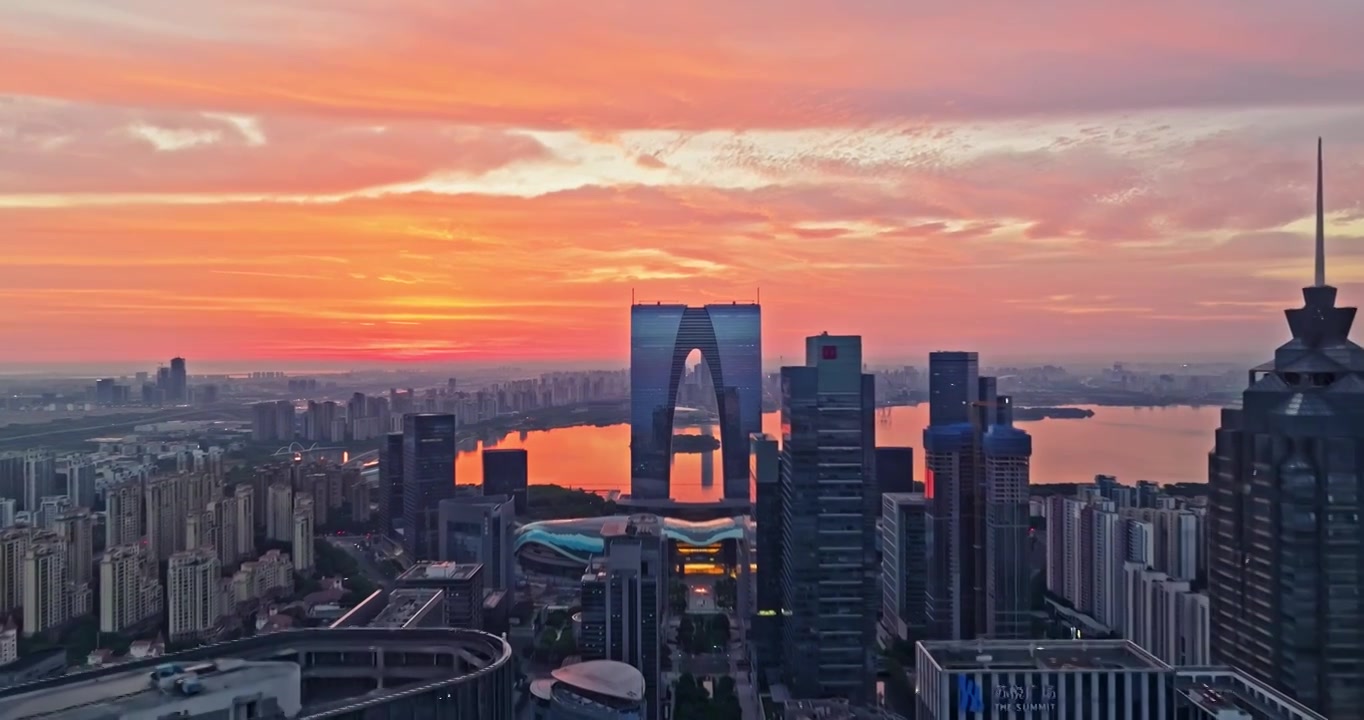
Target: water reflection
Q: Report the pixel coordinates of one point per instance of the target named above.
(1162, 444)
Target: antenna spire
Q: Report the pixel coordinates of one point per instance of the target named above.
(1321, 225)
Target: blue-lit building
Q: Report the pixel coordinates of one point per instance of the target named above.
(831, 583)
(428, 477)
(1008, 572)
(661, 337)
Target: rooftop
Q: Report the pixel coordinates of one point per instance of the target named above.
(134, 691)
(603, 677)
(441, 571)
(406, 605)
(1024, 655)
(1221, 690)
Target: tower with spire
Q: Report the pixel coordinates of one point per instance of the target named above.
(1285, 481)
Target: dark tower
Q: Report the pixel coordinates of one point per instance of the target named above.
(1285, 546)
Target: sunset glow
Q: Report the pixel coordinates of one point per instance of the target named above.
(353, 181)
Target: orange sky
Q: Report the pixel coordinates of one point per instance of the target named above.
(477, 180)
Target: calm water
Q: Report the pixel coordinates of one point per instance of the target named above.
(1163, 444)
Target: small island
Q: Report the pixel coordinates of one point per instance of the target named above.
(695, 443)
(1027, 414)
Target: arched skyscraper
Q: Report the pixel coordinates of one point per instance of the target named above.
(661, 337)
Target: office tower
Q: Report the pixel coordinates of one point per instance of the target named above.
(953, 387)
(14, 544)
(895, 469)
(661, 337)
(45, 584)
(428, 477)
(167, 503)
(767, 513)
(192, 592)
(303, 533)
(479, 530)
(462, 584)
(40, 478)
(624, 593)
(130, 594)
(76, 480)
(390, 494)
(1008, 568)
(506, 472)
(1285, 487)
(830, 503)
(279, 513)
(903, 575)
(77, 530)
(246, 520)
(179, 381)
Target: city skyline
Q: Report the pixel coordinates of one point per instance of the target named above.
(221, 185)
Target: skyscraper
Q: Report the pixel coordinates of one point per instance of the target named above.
(1285, 549)
(830, 578)
(623, 595)
(1008, 569)
(661, 337)
(952, 490)
(428, 477)
(903, 534)
(895, 469)
(767, 512)
(506, 471)
(479, 530)
(391, 484)
(179, 381)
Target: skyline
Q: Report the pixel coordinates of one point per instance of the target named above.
(359, 185)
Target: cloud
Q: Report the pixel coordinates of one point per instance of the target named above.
(619, 65)
(69, 148)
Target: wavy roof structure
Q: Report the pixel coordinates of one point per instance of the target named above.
(581, 538)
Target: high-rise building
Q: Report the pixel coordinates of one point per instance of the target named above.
(77, 530)
(179, 381)
(12, 477)
(830, 577)
(123, 513)
(167, 504)
(895, 470)
(767, 513)
(1284, 542)
(953, 492)
(624, 593)
(76, 480)
(506, 472)
(428, 477)
(193, 594)
(14, 544)
(245, 496)
(1008, 568)
(46, 582)
(953, 387)
(661, 337)
(130, 594)
(272, 421)
(479, 530)
(303, 533)
(40, 478)
(462, 584)
(279, 513)
(390, 484)
(903, 575)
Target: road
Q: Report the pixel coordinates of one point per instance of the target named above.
(354, 547)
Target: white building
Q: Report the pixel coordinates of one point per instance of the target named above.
(123, 513)
(192, 594)
(303, 534)
(129, 590)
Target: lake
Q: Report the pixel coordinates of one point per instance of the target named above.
(1164, 444)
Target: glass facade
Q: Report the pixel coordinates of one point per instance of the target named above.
(428, 477)
(729, 338)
